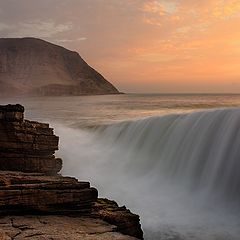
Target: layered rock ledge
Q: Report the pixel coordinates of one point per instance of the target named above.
(38, 203)
(26, 146)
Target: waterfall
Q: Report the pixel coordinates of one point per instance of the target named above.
(180, 172)
(200, 150)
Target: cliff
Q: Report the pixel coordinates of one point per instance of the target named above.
(36, 67)
(38, 203)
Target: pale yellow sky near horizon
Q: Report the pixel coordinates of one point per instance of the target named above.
(173, 46)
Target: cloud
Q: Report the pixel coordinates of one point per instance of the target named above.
(35, 28)
(45, 29)
(138, 41)
(160, 7)
(71, 40)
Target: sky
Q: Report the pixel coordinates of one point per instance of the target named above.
(155, 46)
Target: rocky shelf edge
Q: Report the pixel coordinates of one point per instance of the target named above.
(38, 203)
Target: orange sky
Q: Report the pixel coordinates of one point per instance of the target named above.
(141, 45)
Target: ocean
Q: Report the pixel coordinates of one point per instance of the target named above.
(174, 159)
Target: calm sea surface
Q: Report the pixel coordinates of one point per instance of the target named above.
(96, 110)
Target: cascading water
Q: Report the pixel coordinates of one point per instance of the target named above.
(201, 149)
(180, 172)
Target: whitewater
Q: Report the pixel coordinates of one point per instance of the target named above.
(178, 169)
(180, 172)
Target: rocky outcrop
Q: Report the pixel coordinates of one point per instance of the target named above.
(38, 203)
(35, 192)
(25, 145)
(36, 67)
(126, 222)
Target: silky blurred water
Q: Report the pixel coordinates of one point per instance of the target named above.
(173, 159)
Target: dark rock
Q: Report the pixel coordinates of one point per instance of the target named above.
(24, 145)
(12, 108)
(28, 193)
(11, 112)
(36, 67)
(126, 222)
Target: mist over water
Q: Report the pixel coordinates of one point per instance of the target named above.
(179, 170)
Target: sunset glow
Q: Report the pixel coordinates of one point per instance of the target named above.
(141, 45)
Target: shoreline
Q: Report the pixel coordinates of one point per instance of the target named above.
(31, 188)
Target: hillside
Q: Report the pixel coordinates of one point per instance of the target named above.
(36, 67)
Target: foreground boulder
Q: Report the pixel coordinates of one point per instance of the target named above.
(37, 203)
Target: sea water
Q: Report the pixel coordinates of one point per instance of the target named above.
(172, 159)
